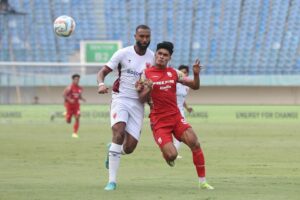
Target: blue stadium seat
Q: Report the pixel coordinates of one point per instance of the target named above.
(236, 37)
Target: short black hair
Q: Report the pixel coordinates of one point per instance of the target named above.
(165, 45)
(75, 76)
(184, 67)
(142, 26)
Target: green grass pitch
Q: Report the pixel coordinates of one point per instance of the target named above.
(252, 152)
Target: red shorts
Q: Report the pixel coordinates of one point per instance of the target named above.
(164, 128)
(72, 109)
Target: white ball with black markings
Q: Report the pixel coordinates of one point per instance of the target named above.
(64, 26)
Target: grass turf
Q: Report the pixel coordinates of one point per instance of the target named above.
(252, 152)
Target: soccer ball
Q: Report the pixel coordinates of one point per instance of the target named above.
(64, 26)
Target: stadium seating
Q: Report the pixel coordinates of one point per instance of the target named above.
(231, 37)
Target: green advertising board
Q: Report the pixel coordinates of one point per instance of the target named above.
(98, 51)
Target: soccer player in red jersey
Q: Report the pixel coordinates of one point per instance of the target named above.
(158, 87)
(72, 94)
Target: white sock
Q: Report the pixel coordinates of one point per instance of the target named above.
(177, 143)
(202, 179)
(114, 161)
(122, 150)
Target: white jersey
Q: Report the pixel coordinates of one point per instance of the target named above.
(181, 92)
(132, 66)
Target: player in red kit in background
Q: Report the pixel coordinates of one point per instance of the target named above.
(158, 87)
(72, 95)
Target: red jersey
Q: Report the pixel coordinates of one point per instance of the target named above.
(73, 92)
(163, 94)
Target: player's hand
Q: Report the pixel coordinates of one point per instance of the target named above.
(102, 89)
(197, 67)
(139, 85)
(189, 109)
(148, 83)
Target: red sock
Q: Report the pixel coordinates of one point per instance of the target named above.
(76, 126)
(199, 162)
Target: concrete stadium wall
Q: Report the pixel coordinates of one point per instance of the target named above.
(206, 95)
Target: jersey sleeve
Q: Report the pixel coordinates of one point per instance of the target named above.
(115, 60)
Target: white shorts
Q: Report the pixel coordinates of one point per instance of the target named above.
(130, 111)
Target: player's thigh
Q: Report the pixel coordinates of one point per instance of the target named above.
(77, 113)
(69, 114)
(135, 120)
(190, 138)
(162, 136)
(118, 112)
(118, 132)
(180, 126)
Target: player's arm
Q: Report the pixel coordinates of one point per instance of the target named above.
(109, 67)
(144, 91)
(82, 98)
(192, 83)
(66, 96)
(144, 87)
(100, 79)
(189, 109)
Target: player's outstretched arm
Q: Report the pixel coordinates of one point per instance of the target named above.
(193, 83)
(100, 78)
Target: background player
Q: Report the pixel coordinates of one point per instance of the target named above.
(72, 94)
(181, 93)
(127, 112)
(165, 117)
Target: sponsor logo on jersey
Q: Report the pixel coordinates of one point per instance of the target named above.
(76, 95)
(169, 74)
(165, 87)
(163, 82)
(135, 73)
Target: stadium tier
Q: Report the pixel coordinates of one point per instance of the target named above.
(231, 37)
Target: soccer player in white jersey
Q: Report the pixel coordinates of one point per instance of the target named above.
(127, 112)
(181, 93)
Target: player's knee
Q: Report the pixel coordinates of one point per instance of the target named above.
(170, 156)
(194, 145)
(68, 120)
(128, 150)
(118, 136)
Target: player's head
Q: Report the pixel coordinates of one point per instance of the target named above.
(164, 51)
(75, 79)
(184, 69)
(142, 36)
